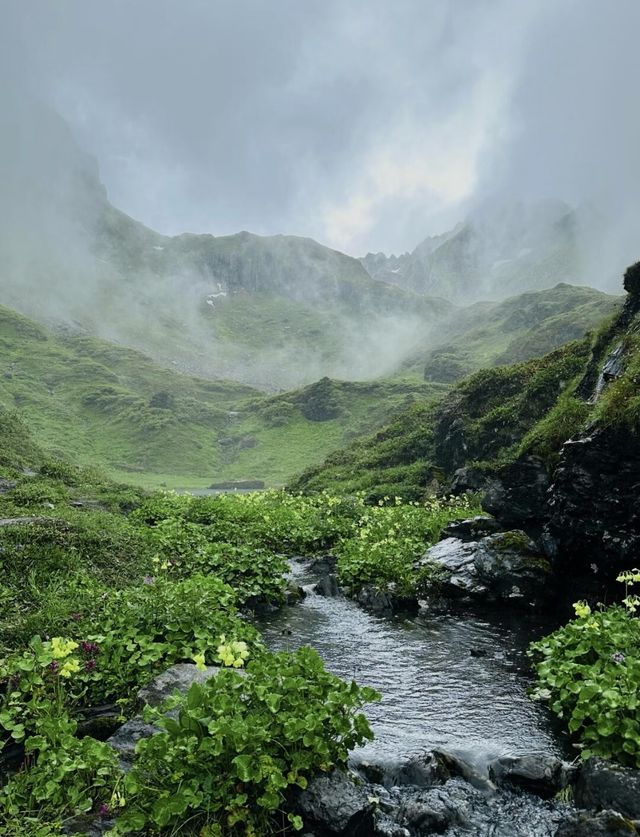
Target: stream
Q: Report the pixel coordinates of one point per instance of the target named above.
(449, 681)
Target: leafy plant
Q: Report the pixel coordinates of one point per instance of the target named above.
(589, 671)
(230, 749)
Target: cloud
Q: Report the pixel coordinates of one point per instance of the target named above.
(365, 124)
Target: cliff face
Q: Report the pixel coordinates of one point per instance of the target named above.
(588, 513)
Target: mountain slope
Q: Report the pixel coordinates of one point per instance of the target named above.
(101, 404)
(271, 311)
(499, 251)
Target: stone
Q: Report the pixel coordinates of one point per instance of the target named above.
(604, 824)
(336, 805)
(471, 529)
(328, 586)
(538, 773)
(505, 567)
(466, 479)
(438, 809)
(125, 739)
(593, 511)
(602, 785)
(177, 678)
(386, 600)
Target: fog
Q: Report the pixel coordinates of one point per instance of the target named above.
(365, 125)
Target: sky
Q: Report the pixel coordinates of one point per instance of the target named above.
(365, 124)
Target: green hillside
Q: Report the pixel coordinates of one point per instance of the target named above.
(102, 404)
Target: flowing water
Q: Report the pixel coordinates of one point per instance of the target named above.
(448, 681)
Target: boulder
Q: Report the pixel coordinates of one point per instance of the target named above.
(466, 479)
(336, 805)
(539, 773)
(436, 810)
(604, 824)
(177, 678)
(602, 785)
(505, 567)
(384, 600)
(328, 586)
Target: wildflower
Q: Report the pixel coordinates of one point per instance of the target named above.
(232, 653)
(90, 665)
(199, 661)
(618, 657)
(582, 609)
(69, 667)
(103, 810)
(89, 648)
(148, 579)
(61, 648)
(54, 665)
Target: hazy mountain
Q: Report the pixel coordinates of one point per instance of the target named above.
(271, 311)
(501, 250)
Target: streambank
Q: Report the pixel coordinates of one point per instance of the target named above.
(459, 748)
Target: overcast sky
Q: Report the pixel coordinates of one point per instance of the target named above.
(366, 124)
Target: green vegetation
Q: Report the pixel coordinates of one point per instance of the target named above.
(515, 330)
(101, 404)
(96, 602)
(589, 671)
(488, 419)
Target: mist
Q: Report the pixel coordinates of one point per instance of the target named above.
(366, 126)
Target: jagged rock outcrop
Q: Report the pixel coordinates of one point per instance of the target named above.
(505, 567)
(593, 500)
(518, 497)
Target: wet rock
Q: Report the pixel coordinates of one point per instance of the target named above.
(457, 765)
(386, 600)
(604, 824)
(538, 773)
(518, 495)
(177, 678)
(498, 568)
(436, 810)
(328, 586)
(294, 594)
(336, 805)
(324, 565)
(602, 785)
(471, 529)
(423, 771)
(593, 511)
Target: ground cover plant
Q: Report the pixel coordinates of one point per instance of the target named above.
(104, 587)
(588, 670)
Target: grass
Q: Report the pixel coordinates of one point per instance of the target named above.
(98, 403)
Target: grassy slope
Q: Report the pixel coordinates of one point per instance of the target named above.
(94, 401)
(520, 328)
(495, 416)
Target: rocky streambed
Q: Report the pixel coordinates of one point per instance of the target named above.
(460, 749)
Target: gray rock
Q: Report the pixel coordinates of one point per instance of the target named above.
(498, 568)
(472, 529)
(328, 586)
(604, 824)
(438, 809)
(385, 600)
(602, 785)
(125, 739)
(7, 485)
(177, 678)
(466, 479)
(336, 805)
(539, 773)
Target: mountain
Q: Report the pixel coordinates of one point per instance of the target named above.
(273, 312)
(502, 249)
(519, 328)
